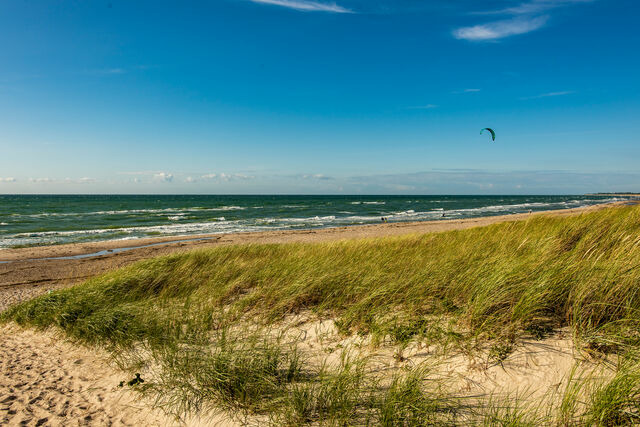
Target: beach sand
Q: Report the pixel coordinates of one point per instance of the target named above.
(48, 381)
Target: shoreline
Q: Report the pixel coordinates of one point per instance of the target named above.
(28, 272)
(87, 249)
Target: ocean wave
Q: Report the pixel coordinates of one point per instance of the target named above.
(362, 218)
(136, 211)
(298, 220)
(410, 212)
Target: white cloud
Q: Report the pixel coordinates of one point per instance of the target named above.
(190, 179)
(83, 180)
(234, 176)
(546, 95)
(500, 29)
(163, 176)
(526, 18)
(138, 173)
(319, 176)
(8, 179)
(226, 176)
(306, 5)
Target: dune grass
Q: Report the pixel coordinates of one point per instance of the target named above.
(492, 283)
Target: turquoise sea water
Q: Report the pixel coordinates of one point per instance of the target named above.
(27, 220)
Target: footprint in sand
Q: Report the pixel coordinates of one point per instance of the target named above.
(9, 399)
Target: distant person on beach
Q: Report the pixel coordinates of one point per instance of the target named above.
(443, 214)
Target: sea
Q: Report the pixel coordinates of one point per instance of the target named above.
(35, 220)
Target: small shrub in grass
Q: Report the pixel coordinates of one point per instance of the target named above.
(499, 352)
(539, 329)
(404, 332)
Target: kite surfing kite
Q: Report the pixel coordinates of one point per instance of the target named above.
(493, 134)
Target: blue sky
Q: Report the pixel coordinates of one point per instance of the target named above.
(297, 96)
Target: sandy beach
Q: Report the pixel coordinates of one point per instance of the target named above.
(48, 381)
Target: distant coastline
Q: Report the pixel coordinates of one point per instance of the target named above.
(614, 194)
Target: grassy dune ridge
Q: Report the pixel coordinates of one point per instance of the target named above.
(490, 284)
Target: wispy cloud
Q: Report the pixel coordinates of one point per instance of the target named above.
(8, 179)
(119, 70)
(319, 176)
(466, 91)
(500, 29)
(114, 71)
(306, 6)
(533, 7)
(83, 180)
(526, 17)
(423, 107)
(225, 177)
(549, 94)
(138, 173)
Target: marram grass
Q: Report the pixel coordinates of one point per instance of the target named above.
(496, 282)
